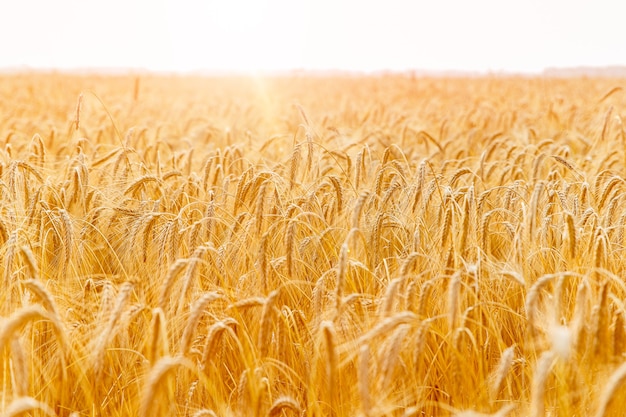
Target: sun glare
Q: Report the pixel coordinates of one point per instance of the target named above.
(280, 35)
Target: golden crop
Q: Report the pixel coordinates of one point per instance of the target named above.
(312, 246)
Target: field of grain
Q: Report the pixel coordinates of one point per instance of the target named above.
(311, 246)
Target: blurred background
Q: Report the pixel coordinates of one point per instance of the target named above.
(321, 35)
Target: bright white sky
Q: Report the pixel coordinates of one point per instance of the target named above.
(266, 35)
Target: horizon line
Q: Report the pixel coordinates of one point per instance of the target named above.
(558, 71)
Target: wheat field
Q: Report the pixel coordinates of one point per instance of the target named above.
(312, 246)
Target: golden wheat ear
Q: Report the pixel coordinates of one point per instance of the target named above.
(542, 371)
(23, 405)
(154, 383)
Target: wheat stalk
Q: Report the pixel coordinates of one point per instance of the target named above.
(212, 339)
(364, 390)
(266, 321)
(147, 224)
(458, 174)
(294, 162)
(158, 340)
(332, 361)
(284, 403)
(141, 182)
(533, 296)
(502, 370)
(453, 299)
(534, 204)
(392, 354)
(42, 293)
(155, 380)
(600, 321)
(579, 317)
(465, 228)
(445, 232)
(31, 262)
(259, 207)
(502, 412)
(175, 269)
(25, 315)
(38, 149)
(338, 193)
(619, 334)
(290, 238)
(67, 239)
(387, 302)
(614, 383)
(23, 405)
(262, 262)
(20, 375)
(423, 298)
(387, 325)
(196, 313)
(608, 187)
(204, 413)
(358, 209)
(193, 265)
(77, 118)
(540, 377)
(342, 271)
(571, 235)
(112, 323)
(9, 256)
